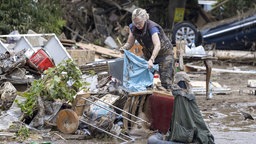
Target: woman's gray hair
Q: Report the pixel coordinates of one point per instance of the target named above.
(139, 12)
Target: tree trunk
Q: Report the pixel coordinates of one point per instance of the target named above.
(233, 55)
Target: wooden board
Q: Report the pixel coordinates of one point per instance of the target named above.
(199, 87)
(234, 55)
(134, 106)
(68, 41)
(251, 83)
(79, 102)
(127, 107)
(203, 85)
(140, 93)
(190, 66)
(109, 98)
(82, 57)
(101, 50)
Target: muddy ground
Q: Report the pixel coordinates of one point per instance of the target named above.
(222, 112)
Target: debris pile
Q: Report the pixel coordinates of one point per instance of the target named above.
(94, 21)
(13, 68)
(61, 94)
(89, 114)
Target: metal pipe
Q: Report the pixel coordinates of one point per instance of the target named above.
(122, 110)
(132, 139)
(111, 111)
(22, 35)
(103, 130)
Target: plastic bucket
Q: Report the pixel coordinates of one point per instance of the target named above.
(40, 60)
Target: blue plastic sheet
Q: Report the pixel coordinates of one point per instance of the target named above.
(97, 112)
(136, 75)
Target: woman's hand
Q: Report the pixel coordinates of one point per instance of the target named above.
(150, 64)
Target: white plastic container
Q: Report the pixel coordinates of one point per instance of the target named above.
(156, 80)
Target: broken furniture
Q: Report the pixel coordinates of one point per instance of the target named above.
(207, 60)
(39, 51)
(161, 108)
(68, 119)
(208, 64)
(135, 103)
(52, 46)
(157, 107)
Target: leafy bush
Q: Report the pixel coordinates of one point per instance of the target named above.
(232, 8)
(44, 16)
(61, 82)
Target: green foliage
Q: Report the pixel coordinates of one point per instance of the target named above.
(233, 7)
(61, 82)
(42, 16)
(22, 134)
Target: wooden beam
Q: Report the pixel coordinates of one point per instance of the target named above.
(234, 55)
(221, 70)
(101, 50)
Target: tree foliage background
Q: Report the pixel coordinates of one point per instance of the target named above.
(47, 16)
(38, 15)
(233, 7)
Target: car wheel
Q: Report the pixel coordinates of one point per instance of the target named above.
(188, 32)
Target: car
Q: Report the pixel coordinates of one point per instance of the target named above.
(237, 33)
(188, 32)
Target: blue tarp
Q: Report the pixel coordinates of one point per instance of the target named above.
(136, 75)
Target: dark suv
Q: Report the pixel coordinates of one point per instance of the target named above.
(237, 33)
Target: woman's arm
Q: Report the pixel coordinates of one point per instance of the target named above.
(130, 42)
(157, 45)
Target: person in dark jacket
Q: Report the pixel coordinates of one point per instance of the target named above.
(157, 48)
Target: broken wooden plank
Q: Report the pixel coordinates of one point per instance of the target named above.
(68, 41)
(134, 107)
(82, 57)
(199, 87)
(97, 67)
(64, 136)
(201, 91)
(221, 70)
(109, 98)
(247, 91)
(251, 83)
(140, 93)
(233, 55)
(180, 53)
(78, 104)
(202, 84)
(7, 134)
(101, 50)
(127, 107)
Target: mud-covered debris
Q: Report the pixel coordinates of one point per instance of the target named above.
(247, 116)
(7, 94)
